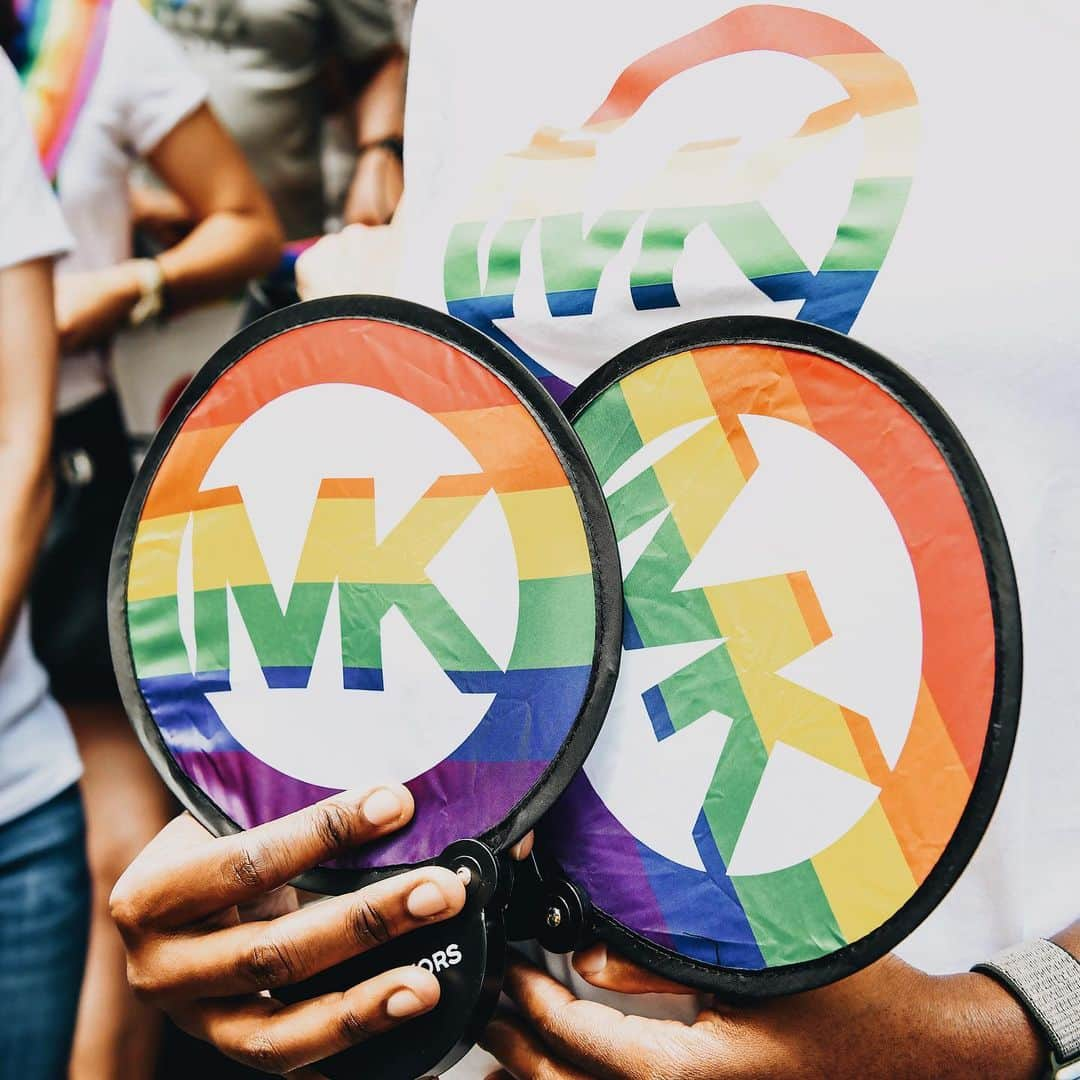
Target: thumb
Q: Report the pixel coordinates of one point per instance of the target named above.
(609, 971)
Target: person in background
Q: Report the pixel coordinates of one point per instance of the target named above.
(105, 86)
(571, 221)
(44, 885)
(276, 69)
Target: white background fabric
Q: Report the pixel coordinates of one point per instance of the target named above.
(976, 299)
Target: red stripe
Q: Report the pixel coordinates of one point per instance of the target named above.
(760, 26)
(402, 361)
(905, 466)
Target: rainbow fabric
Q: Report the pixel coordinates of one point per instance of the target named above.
(58, 59)
(852, 887)
(538, 697)
(705, 183)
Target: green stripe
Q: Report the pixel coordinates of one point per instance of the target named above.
(461, 267)
(556, 626)
(746, 230)
(864, 236)
(556, 623)
(154, 632)
(573, 259)
(39, 24)
(461, 272)
(607, 429)
(789, 915)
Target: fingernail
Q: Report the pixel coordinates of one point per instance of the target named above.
(403, 1003)
(592, 960)
(383, 806)
(426, 900)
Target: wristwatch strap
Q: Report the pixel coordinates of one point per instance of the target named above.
(151, 300)
(1046, 980)
(394, 143)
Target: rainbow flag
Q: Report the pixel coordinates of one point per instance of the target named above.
(537, 696)
(850, 888)
(710, 183)
(58, 56)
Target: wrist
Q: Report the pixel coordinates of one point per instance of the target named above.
(146, 280)
(390, 143)
(986, 1031)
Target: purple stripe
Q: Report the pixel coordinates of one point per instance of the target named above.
(454, 800)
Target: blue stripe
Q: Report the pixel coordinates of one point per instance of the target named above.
(528, 721)
(706, 901)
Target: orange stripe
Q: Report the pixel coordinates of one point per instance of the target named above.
(877, 83)
(175, 489)
(817, 626)
(924, 797)
(511, 449)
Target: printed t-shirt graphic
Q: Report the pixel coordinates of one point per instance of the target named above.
(361, 559)
(577, 245)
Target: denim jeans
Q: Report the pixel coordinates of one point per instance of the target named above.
(44, 919)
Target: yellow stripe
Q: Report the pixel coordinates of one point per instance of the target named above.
(865, 876)
(548, 535)
(155, 555)
(549, 541)
(224, 550)
(702, 174)
(701, 476)
(765, 630)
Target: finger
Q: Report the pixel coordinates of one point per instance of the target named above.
(264, 955)
(175, 881)
(522, 1055)
(278, 1039)
(609, 971)
(523, 848)
(592, 1036)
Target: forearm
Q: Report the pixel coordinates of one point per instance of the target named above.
(1001, 1037)
(28, 350)
(26, 495)
(236, 235)
(380, 105)
(219, 256)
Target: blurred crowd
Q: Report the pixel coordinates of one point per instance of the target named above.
(193, 148)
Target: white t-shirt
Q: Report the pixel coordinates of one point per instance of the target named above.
(975, 296)
(144, 87)
(38, 758)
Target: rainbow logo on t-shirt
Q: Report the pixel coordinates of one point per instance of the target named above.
(360, 560)
(58, 56)
(532, 257)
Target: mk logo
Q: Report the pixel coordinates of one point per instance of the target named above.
(761, 163)
(338, 596)
(807, 510)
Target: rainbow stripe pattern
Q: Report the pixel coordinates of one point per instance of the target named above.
(705, 183)
(538, 696)
(58, 57)
(811, 909)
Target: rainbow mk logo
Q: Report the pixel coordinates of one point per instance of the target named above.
(788, 752)
(760, 164)
(361, 559)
